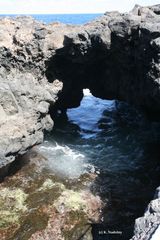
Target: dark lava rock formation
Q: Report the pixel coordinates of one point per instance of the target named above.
(117, 56)
(45, 67)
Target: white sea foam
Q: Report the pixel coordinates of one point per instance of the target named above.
(65, 161)
(86, 92)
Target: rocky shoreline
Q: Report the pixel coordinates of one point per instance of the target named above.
(44, 68)
(146, 226)
(36, 204)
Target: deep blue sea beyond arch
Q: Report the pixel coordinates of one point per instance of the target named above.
(64, 18)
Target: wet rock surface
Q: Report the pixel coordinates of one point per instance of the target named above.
(37, 204)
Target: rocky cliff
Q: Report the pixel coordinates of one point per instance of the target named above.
(25, 93)
(148, 226)
(46, 67)
(117, 56)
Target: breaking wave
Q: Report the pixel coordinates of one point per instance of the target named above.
(65, 161)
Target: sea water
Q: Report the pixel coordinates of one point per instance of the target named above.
(118, 143)
(64, 18)
(110, 139)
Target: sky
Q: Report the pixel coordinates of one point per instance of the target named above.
(69, 6)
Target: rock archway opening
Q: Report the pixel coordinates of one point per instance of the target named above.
(117, 60)
(115, 142)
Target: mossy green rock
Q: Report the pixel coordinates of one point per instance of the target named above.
(71, 200)
(12, 203)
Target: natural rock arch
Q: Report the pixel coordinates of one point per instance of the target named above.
(116, 57)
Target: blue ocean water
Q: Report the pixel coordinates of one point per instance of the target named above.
(64, 18)
(118, 143)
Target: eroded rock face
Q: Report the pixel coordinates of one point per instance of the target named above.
(146, 226)
(25, 93)
(117, 56)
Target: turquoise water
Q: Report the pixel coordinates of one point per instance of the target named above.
(64, 18)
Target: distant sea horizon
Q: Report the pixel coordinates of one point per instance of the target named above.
(73, 18)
